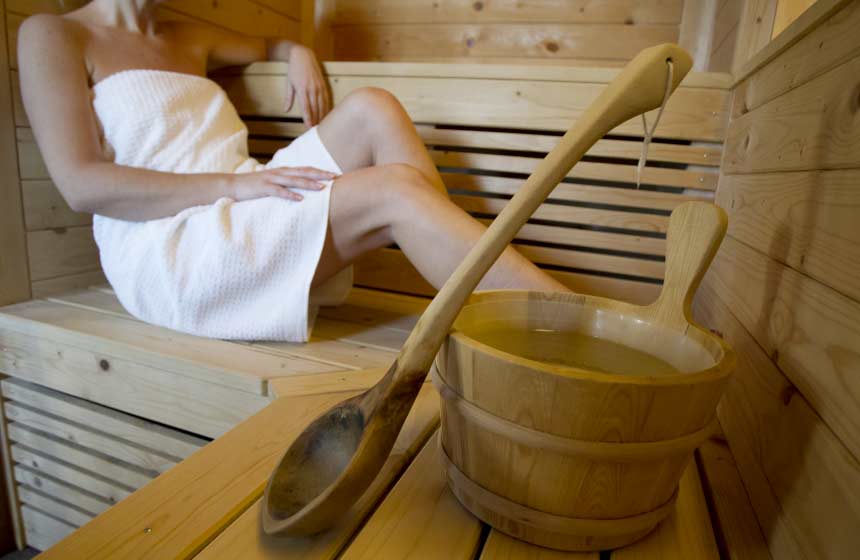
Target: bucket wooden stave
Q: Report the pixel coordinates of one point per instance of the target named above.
(547, 453)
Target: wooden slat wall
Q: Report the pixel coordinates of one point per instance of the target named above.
(785, 289)
(60, 254)
(597, 233)
(538, 31)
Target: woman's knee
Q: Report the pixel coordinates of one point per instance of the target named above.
(374, 104)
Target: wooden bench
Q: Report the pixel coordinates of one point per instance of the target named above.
(98, 404)
(209, 506)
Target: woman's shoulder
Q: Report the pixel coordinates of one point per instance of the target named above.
(48, 30)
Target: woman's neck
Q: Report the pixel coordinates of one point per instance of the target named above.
(131, 15)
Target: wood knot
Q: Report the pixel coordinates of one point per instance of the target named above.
(37, 482)
(717, 332)
(787, 394)
(478, 6)
(552, 46)
(470, 42)
(628, 21)
(104, 364)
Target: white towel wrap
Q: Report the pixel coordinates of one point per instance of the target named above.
(233, 270)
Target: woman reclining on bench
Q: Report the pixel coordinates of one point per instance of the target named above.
(194, 234)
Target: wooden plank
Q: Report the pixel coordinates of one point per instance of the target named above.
(739, 536)
(68, 283)
(121, 473)
(826, 46)
(806, 220)
(10, 490)
(43, 531)
(208, 360)
(381, 338)
(803, 483)
(187, 507)
(754, 31)
(686, 533)
(786, 12)
(14, 277)
(91, 503)
(725, 36)
(420, 518)
(499, 546)
(389, 269)
(325, 383)
(630, 221)
(810, 331)
(149, 460)
(148, 391)
(692, 113)
(62, 511)
(629, 12)
(245, 16)
(810, 127)
(108, 490)
(821, 11)
(622, 197)
(128, 428)
(242, 538)
(403, 41)
(31, 165)
(582, 170)
(593, 261)
(45, 207)
(61, 252)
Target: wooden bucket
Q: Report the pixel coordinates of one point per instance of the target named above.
(571, 458)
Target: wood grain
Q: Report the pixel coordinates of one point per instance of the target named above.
(630, 12)
(805, 220)
(810, 331)
(43, 531)
(812, 127)
(45, 207)
(829, 44)
(500, 546)
(801, 479)
(754, 31)
(87, 501)
(61, 252)
(14, 275)
(419, 517)
(739, 536)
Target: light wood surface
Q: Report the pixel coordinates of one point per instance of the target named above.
(800, 478)
(91, 503)
(825, 46)
(731, 510)
(754, 31)
(14, 279)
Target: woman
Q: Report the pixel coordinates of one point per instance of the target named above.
(195, 235)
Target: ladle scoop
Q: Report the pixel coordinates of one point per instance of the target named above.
(330, 465)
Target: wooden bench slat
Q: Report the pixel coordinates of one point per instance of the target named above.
(106, 489)
(500, 546)
(148, 391)
(732, 515)
(68, 283)
(691, 114)
(63, 511)
(123, 474)
(89, 502)
(129, 428)
(186, 508)
(685, 534)
(707, 154)
(150, 460)
(43, 530)
(241, 539)
(420, 517)
(326, 383)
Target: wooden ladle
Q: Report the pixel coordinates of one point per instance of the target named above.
(330, 465)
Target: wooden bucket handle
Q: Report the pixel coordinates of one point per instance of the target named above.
(696, 230)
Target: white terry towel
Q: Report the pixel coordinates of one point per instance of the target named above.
(233, 270)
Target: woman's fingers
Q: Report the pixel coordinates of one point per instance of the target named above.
(282, 192)
(322, 108)
(306, 172)
(291, 97)
(307, 109)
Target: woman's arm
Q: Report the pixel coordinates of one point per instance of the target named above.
(306, 82)
(55, 90)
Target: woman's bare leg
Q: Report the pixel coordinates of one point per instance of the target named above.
(377, 206)
(370, 127)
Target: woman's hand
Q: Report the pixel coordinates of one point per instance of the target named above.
(277, 182)
(306, 82)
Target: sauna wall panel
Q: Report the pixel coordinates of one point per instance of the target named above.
(784, 289)
(544, 31)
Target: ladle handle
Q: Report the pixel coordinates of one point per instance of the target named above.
(696, 230)
(640, 87)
